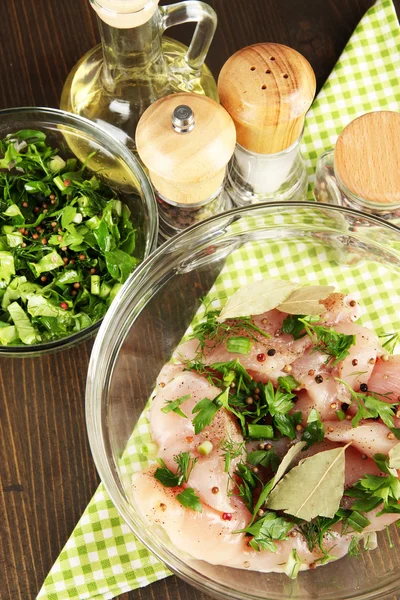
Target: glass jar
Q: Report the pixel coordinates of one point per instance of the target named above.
(362, 171)
(135, 65)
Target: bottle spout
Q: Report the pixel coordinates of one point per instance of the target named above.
(125, 14)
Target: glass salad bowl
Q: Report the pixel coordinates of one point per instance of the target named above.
(302, 242)
(110, 162)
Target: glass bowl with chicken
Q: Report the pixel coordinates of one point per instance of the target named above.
(243, 404)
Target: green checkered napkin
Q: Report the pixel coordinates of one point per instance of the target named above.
(102, 558)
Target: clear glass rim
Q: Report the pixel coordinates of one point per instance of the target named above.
(61, 117)
(101, 365)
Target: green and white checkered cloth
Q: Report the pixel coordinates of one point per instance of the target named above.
(102, 558)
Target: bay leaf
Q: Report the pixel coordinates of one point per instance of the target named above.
(394, 457)
(284, 465)
(257, 297)
(313, 488)
(305, 300)
(288, 459)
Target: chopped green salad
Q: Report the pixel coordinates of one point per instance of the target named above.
(66, 243)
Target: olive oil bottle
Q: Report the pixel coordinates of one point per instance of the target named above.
(135, 64)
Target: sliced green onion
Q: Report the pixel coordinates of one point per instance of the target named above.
(77, 218)
(238, 345)
(341, 415)
(293, 565)
(150, 449)
(115, 290)
(71, 164)
(261, 431)
(205, 448)
(370, 540)
(357, 521)
(95, 285)
(56, 164)
(105, 290)
(60, 183)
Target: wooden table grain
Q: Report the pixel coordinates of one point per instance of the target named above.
(47, 475)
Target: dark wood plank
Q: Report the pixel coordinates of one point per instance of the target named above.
(47, 475)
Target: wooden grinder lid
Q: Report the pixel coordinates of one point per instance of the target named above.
(367, 157)
(186, 141)
(267, 89)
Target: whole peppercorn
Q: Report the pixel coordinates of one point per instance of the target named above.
(36, 209)
(261, 357)
(35, 236)
(93, 271)
(77, 285)
(43, 278)
(64, 305)
(82, 257)
(67, 182)
(364, 387)
(271, 352)
(345, 406)
(66, 260)
(25, 204)
(319, 379)
(73, 292)
(44, 241)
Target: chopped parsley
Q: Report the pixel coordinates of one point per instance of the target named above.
(314, 432)
(188, 499)
(185, 466)
(329, 341)
(67, 242)
(267, 530)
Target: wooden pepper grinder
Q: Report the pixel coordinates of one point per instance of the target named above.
(267, 89)
(186, 141)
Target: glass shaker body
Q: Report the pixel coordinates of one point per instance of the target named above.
(254, 177)
(174, 217)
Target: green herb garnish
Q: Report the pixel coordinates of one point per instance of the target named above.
(370, 406)
(336, 345)
(173, 406)
(213, 332)
(206, 410)
(66, 242)
(188, 499)
(238, 345)
(294, 326)
(185, 466)
(314, 432)
(267, 530)
(231, 450)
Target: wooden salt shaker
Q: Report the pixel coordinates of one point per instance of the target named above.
(363, 171)
(186, 141)
(267, 89)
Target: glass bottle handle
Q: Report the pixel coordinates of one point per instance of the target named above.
(192, 11)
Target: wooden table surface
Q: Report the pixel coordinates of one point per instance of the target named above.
(47, 475)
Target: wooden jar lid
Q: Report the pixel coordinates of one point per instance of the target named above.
(186, 168)
(267, 89)
(367, 157)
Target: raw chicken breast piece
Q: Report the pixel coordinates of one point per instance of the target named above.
(385, 378)
(175, 434)
(368, 438)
